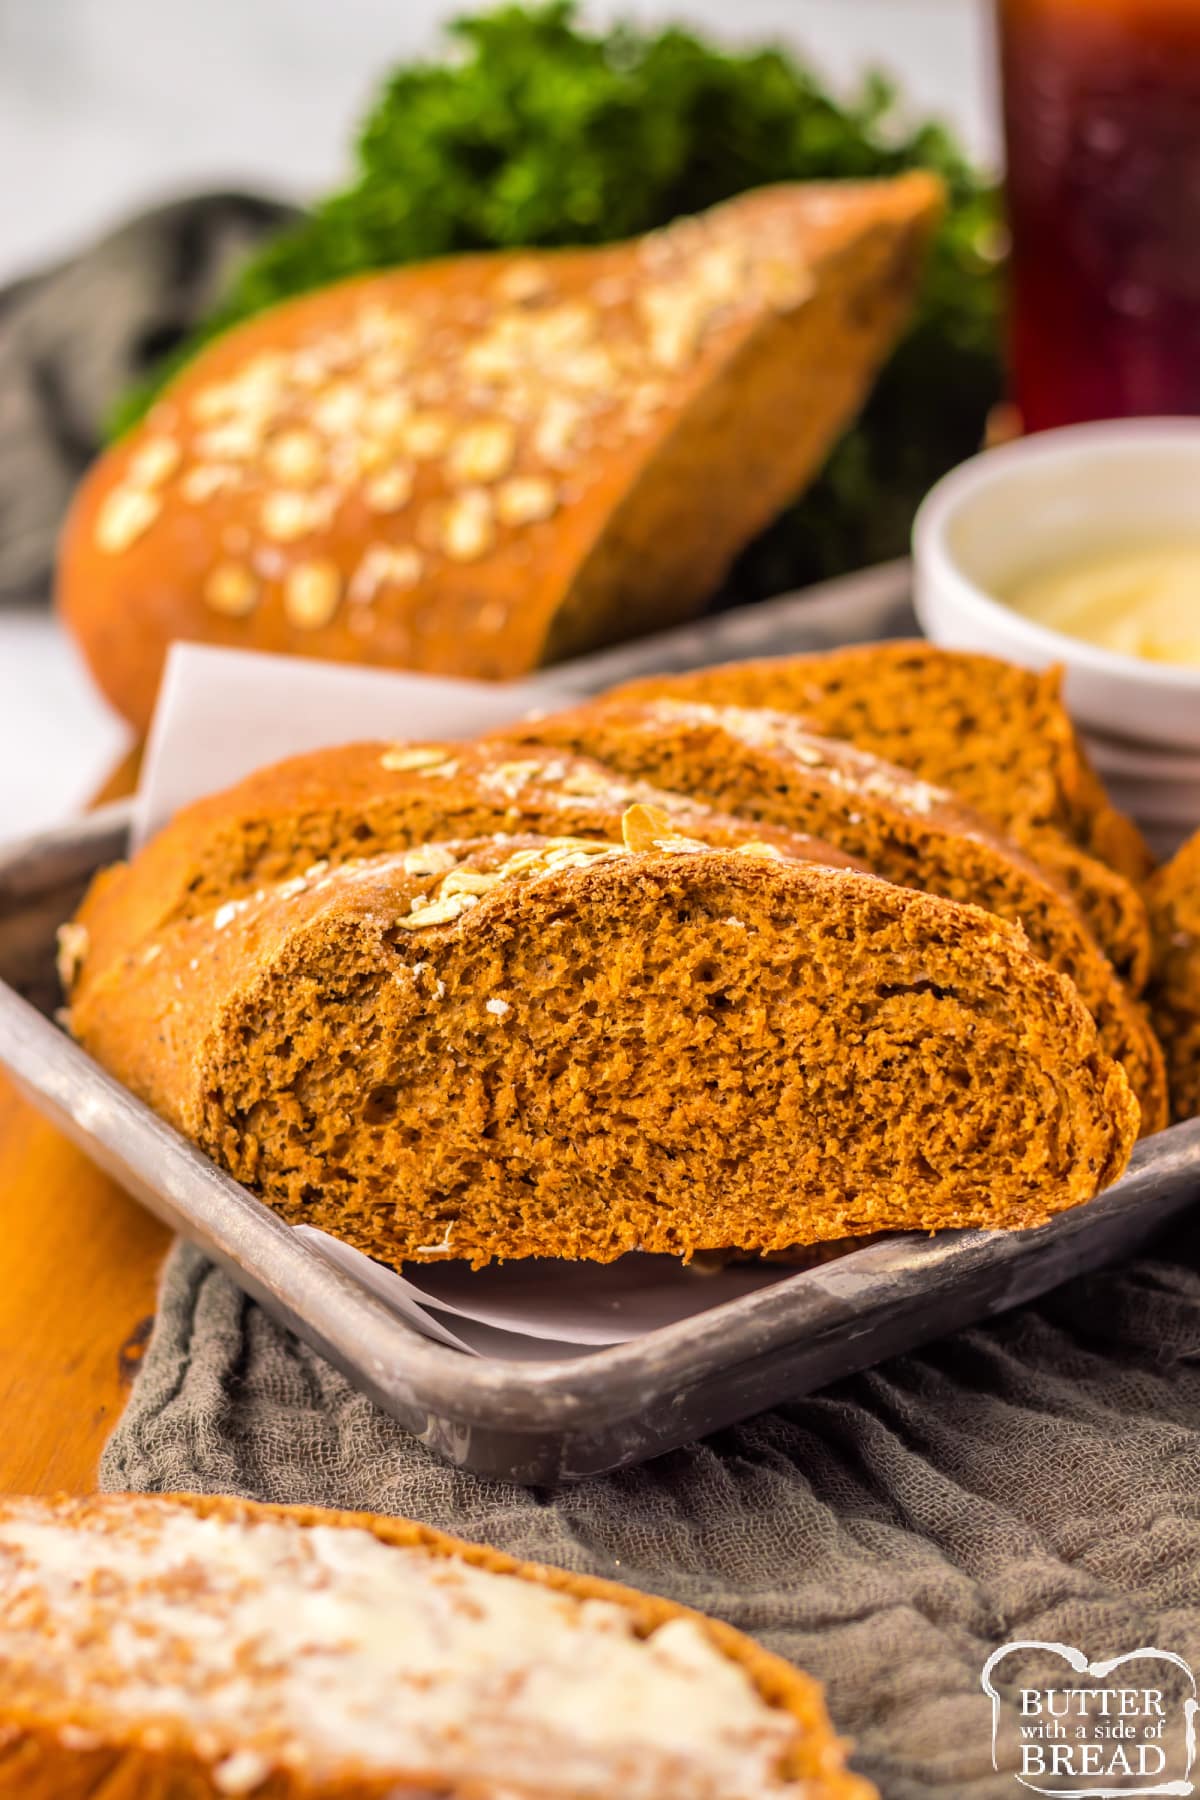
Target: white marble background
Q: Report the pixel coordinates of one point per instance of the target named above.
(107, 104)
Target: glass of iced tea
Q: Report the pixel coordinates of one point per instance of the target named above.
(1102, 122)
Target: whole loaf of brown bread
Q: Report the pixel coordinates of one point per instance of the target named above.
(491, 462)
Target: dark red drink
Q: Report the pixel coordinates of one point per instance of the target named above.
(1102, 120)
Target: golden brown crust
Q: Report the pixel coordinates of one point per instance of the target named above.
(764, 765)
(36, 1764)
(521, 1048)
(1174, 899)
(359, 800)
(482, 464)
(998, 736)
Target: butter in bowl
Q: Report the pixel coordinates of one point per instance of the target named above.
(1081, 547)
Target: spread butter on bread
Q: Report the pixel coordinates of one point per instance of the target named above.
(167, 1647)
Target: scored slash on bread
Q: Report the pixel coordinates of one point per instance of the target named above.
(357, 800)
(999, 737)
(163, 1648)
(765, 766)
(1174, 898)
(538, 1047)
(480, 465)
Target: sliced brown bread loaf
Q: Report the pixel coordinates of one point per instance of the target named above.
(183, 1648)
(485, 463)
(359, 799)
(998, 736)
(1174, 896)
(764, 765)
(1113, 907)
(539, 1047)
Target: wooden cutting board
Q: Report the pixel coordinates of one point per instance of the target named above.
(79, 1262)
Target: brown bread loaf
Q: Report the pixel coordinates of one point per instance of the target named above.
(539, 1047)
(1174, 896)
(765, 766)
(359, 799)
(182, 1648)
(491, 462)
(998, 736)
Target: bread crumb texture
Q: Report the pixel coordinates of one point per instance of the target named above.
(997, 736)
(697, 1048)
(359, 800)
(160, 1647)
(765, 765)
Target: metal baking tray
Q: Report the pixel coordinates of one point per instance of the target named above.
(551, 1421)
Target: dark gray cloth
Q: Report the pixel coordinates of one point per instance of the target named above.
(1038, 1478)
(75, 338)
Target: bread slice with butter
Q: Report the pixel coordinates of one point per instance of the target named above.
(163, 1648)
(479, 465)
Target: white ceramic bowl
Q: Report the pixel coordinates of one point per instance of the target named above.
(1150, 802)
(1040, 501)
(1155, 806)
(1139, 762)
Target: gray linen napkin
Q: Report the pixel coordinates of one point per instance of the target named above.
(1038, 1478)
